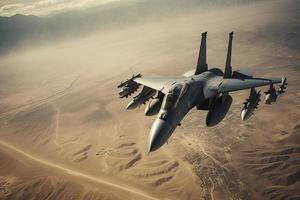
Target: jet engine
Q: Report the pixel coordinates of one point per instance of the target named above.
(218, 110)
(250, 104)
(153, 107)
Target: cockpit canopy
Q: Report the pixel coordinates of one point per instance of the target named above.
(174, 95)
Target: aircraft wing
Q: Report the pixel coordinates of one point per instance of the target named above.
(159, 83)
(231, 84)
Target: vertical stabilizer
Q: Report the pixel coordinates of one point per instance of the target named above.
(228, 68)
(201, 64)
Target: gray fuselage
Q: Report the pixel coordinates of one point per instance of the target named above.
(180, 99)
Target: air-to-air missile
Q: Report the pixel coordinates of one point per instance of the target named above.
(272, 94)
(129, 86)
(141, 98)
(282, 85)
(250, 104)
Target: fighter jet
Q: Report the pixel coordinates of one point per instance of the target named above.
(172, 97)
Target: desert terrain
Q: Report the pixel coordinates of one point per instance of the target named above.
(65, 133)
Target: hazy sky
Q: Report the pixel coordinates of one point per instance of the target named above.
(44, 7)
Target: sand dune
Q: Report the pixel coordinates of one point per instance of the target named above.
(74, 173)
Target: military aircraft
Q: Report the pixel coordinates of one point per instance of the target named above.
(171, 98)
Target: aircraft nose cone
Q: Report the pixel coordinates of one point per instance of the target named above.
(159, 134)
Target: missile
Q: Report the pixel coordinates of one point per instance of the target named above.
(282, 85)
(124, 91)
(133, 104)
(271, 95)
(251, 104)
(141, 98)
(129, 86)
(128, 89)
(127, 82)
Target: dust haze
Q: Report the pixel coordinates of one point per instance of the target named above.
(65, 134)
